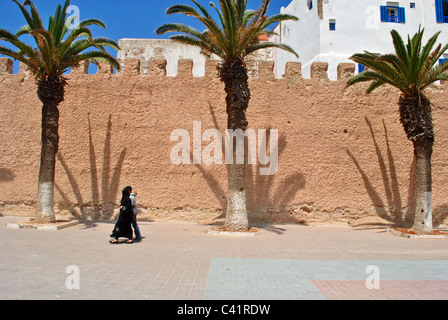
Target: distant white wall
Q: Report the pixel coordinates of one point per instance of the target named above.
(303, 36)
(146, 49)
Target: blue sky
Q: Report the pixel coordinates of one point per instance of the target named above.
(124, 19)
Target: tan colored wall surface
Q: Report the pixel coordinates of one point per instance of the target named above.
(343, 155)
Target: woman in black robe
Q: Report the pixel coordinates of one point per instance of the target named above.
(123, 226)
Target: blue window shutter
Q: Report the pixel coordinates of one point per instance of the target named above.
(361, 68)
(401, 15)
(384, 13)
(439, 10)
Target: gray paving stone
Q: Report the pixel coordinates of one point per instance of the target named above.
(171, 263)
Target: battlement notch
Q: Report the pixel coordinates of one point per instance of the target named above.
(6, 66)
(211, 69)
(319, 70)
(157, 67)
(346, 71)
(293, 71)
(185, 68)
(83, 68)
(131, 67)
(266, 70)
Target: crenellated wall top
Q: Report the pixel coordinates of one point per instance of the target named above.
(158, 67)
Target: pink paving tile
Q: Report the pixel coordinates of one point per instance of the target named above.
(388, 290)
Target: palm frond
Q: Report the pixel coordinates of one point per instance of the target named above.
(435, 74)
(279, 18)
(374, 85)
(178, 27)
(58, 24)
(411, 69)
(366, 76)
(248, 15)
(203, 10)
(267, 44)
(92, 22)
(24, 30)
(400, 49)
(206, 19)
(426, 51)
(236, 32)
(36, 17)
(205, 46)
(94, 57)
(9, 37)
(26, 15)
(57, 48)
(13, 54)
(75, 34)
(79, 46)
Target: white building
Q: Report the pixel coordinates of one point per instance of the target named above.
(333, 30)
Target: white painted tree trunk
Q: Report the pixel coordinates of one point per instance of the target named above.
(45, 202)
(423, 213)
(236, 214)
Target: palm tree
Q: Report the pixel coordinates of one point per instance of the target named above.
(58, 49)
(411, 69)
(231, 39)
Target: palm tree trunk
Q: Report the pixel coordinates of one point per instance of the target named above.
(50, 91)
(416, 117)
(234, 75)
(49, 148)
(423, 212)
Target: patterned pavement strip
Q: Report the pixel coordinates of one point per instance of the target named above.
(387, 290)
(181, 261)
(326, 279)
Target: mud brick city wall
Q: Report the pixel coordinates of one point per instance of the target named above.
(342, 154)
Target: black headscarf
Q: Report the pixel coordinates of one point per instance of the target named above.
(124, 194)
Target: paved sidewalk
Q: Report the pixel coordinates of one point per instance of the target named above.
(181, 261)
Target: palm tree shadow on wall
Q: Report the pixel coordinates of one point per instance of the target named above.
(6, 175)
(266, 199)
(392, 208)
(99, 207)
(261, 194)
